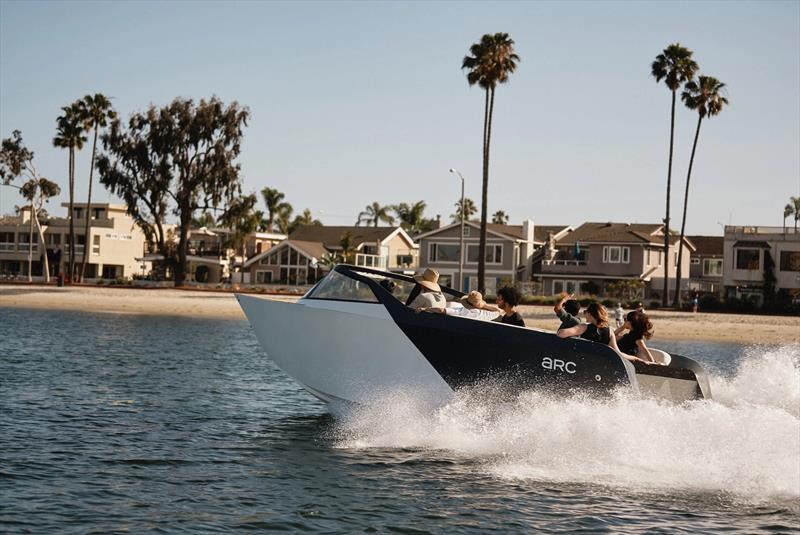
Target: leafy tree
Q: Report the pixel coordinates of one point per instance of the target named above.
(283, 218)
(304, 220)
(411, 216)
(375, 213)
(675, 66)
(469, 210)
(707, 97)
(243, 219)
(500, 218)
(95, 112)
(206, 219)
(793, 209)
(348, 250)
(491, 61)
(16, 161)
(187, 150)
(69, 135)
(273, 199)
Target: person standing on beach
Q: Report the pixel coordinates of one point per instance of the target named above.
(619, 315)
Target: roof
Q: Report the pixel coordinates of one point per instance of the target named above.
(9, 220)
(707, 245)
(634, 233)
(754, 244)
(540, 231)
(514, 232)
(331, 236)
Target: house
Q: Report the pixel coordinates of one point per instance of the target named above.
(303, 257)
(509, 249)
(597, 254)
(706, 264)
(749, 252)
(115, 242)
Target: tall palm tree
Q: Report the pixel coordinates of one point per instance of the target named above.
(500, 217)
(675, 66)
(469, 210)
(96, 112)
(273, 199)
(793, 209)
(491, 62)
(411, 216)
(707, 97)
(283, 217)
(375, 213)
(69, 135)
(348, 248)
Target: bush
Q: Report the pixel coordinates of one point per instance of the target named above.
(654, 304)
(608, 303)
(709, 302)
(100, 281)
(734, 304)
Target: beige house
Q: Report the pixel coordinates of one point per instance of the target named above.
(301, 259)
(509, 250)
(115, 242)
(601, 253)
(707, 265)
(746, 250)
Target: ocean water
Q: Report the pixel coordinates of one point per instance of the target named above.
(121, 423)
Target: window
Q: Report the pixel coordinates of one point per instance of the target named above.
(52, 239)
(695, 261)
(712, 267)
(614, 254)
(568, 286)
(748, 259)
(466, 231)
(446, 280)
(444, 252)
(404, 260)
(790, 260)
(494, 253)
(263, 277)
(7, 241)
(78, 213)
(338, 286)
(96, 244)
(98, 213)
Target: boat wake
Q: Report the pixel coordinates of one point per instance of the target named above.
(746, 441)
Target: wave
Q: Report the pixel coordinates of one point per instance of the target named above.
(745, 441)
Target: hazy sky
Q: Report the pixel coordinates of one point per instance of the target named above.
(354, 102)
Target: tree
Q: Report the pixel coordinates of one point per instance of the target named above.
(675, 66)
(469, 210)
(243, 219)
(283, 217)
(304, 220)
(206, 219)
(188, 150)
(273, 199)
(375, 213)
(348, 250)
(411, 216)
(16, 161)
(95, 112)
(500, 218)
(69, 135)
(793, 209)
(492, 61)
(707, 97)
(769, 277)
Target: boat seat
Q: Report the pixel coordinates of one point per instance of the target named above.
(662, 357)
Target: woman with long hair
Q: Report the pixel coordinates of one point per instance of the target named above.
(639, 328)
(595, 329)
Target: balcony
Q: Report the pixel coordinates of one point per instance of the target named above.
(564, 266)
(371, 261)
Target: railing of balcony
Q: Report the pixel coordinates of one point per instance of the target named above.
(371, 260)
(564, 262)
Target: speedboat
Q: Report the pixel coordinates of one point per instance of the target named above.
(353, 338)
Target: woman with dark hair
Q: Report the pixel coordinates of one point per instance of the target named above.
(639, 328)
(595, 329)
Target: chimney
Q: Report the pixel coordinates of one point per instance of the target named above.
(438, 221)
(526, 248)
(527, 230)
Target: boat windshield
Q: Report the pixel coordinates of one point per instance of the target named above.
(342, 288)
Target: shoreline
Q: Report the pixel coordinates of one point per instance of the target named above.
(209, 304)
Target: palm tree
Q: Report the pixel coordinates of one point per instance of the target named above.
(273, 199)
(411, 216)
(375, 213)
(348, 250)
(500, 218)
(675, 66)
(303, 220)
(469, 210)
(283, 217)
(95, 112)
(707, 96)
(492, 61)
(793, 208)
(69, 135)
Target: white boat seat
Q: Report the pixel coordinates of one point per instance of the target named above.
(662, 357)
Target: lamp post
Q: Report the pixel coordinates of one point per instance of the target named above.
(461, 246)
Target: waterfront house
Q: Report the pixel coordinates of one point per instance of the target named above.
(509, 249)
(749, 252)
(594, 255)
(115, 242)
(707, 264)
(304, 256)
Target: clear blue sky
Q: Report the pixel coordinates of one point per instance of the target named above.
(354, 102)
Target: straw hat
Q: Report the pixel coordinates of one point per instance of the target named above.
(429, 279)
(474, 299)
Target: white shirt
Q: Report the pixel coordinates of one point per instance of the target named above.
(429, 300)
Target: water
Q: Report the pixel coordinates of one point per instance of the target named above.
(112, 423)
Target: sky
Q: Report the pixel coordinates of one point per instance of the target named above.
(355, 102)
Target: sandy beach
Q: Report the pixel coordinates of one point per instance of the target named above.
(211, 304)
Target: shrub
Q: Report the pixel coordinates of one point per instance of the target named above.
(100, 281)
(709, 302)
(608, 303)
(654, 304)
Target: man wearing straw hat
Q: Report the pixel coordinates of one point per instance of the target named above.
(430, 295)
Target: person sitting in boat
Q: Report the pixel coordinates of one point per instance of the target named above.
(470, 306)
(567, 311)
(595, 329)
(430, 295)
(639, 328)
(508, 298)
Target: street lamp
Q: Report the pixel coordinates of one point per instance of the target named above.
(461, 246)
